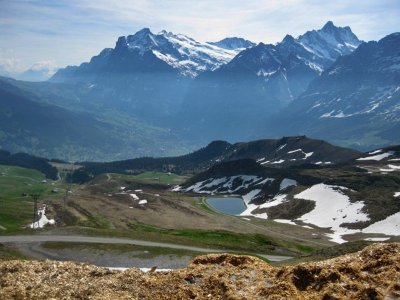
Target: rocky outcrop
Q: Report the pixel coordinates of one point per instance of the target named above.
(373, 273)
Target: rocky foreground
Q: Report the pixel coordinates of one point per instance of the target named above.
(373, 273)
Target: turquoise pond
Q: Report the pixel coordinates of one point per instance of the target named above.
(227, 205)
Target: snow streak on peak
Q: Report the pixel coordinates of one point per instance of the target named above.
(330, 42)
(182, 52)
(315, 50)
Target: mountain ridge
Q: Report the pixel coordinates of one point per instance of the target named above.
(266, 153)
(259, 82)
(359, 93)
(181, 53)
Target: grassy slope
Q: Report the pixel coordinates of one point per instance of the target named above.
(160, 177)
(15, 209)
(8, 253)
(16, 187)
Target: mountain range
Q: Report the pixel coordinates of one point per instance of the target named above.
(162, 52)
(355, 101)
(177, 93)
(274, 153)
(260, 81)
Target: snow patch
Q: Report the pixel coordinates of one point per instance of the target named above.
(394, 167)
(250, 196)
(332, 208)
(265, 181)
(388, 226)
(287, 183)
(375, 152)
(277, 162)
(134, 196)
(294, 151)
(306, 155)
(285, 221)
(306, 226)
(278, 199)
(281, 147)
(377, 157)
(43, 220)
(377, 239)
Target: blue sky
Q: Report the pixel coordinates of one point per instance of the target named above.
(68, 32)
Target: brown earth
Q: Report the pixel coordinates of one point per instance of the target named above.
(373, 273)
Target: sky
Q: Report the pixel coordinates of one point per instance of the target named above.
(57, 33)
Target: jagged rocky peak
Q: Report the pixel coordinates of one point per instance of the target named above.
(288, 39)
(179, 51)
(330, 41)
(232, 43)
(143, 40)
(310, 53)
(329, 26)
(353, 95)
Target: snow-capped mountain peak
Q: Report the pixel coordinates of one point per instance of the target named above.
(309, 54)
(181, 52)
(330, 42)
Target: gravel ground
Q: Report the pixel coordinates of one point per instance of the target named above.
(372, 273)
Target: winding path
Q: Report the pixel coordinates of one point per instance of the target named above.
(108, 240)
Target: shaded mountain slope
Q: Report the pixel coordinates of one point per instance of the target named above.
(259, 82)
(62, 120)
(289, 151)
(354, 102)
(29, 161)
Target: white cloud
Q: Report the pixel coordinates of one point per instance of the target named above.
(46, 66)
(9, 64)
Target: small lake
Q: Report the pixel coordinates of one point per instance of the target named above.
(227, 205)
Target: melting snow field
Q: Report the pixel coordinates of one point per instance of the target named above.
(390, 168)
(306, 155)
(278, 199)
(332, 208)
(376, 239)
(285, 183)
(285, 221)
(250, 207)
(224, 184)
(134, 196)
(389, 226)
(377, 157)
(332, 205)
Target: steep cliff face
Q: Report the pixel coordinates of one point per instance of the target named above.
(372, 273)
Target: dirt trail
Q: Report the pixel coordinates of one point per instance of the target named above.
(106, 240)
